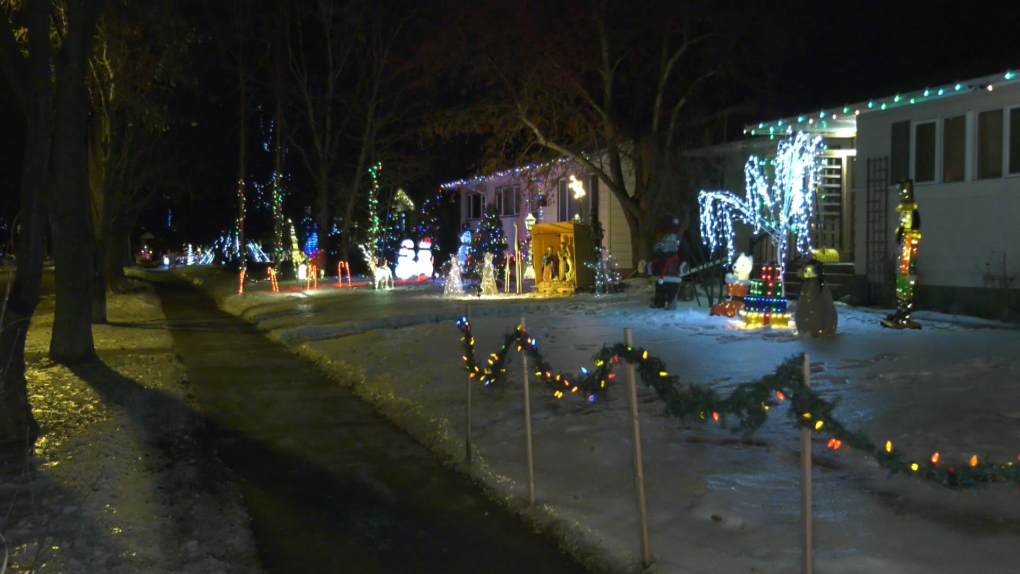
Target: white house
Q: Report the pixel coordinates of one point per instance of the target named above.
(960, 144)
(548, 191)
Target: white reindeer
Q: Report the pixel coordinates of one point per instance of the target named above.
(382, 277)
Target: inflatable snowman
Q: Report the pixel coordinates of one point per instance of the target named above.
(424, 259)
(406, 267)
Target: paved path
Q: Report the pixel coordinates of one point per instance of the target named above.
(330, 484)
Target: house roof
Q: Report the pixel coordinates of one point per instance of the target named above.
(841, 121)
(502, 174)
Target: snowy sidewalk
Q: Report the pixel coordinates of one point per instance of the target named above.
(120, 482)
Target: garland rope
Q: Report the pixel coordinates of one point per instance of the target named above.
(748, 404)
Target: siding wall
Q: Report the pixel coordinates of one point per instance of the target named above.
(965, 225)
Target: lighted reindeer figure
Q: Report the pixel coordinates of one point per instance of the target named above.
(382, 277)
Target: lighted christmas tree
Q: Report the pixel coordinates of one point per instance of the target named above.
(488, 239)
(375, 231)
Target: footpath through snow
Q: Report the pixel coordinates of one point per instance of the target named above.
(120, 481)
(717, 503)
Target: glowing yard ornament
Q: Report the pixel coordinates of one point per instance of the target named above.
(780, 207)
(465, 247)
(489, 276)
(406, 267)
(454, 285)
(382, 276)
(576, 186)
(423, 261)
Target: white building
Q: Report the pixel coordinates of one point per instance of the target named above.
(960, 144)
(545, 190)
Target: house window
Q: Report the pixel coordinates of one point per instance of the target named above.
(924, 152)
(508, 201)
(475, 205)
(954, 148)
(989, 144)
(1014, 140)
(899, 162)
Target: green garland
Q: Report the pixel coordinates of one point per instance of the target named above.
(749, 404)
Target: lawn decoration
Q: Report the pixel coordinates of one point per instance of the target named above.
(816, 313)
(382, 277)
(781, 207)
(454, 284)
(465, 247)
(738, 284)
(748, 403)
(908, 236)
(406, 266)
(666, 270)
(423, 261)
(764, 305)
(489, 277)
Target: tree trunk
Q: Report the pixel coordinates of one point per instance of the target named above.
(115, 257)
(17, 424)
(322, 209)
(98, 288)
(73, 239)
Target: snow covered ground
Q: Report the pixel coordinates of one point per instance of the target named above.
(120, 481)
(717, 504)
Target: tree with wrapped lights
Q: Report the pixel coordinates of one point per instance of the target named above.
(489, 238)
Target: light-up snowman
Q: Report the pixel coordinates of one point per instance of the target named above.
(406, 265)
(424, 259)
(465, 248)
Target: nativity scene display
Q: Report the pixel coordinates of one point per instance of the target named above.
(564, 257)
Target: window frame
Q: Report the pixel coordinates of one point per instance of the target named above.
(469, 198)
(501, 198)
(1003, 147)
(964, 148)
(1006, 137)
(937, 159)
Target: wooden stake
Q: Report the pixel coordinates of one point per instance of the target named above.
(527, 426)
(467, 427)
(639, 473)
(807, 558)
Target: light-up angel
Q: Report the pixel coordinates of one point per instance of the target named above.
(780, 207)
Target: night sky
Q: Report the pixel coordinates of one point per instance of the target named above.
(831, 53)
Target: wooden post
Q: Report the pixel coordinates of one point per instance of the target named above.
(467, 427)
(527, 426)
(807, 558)
(639, 472)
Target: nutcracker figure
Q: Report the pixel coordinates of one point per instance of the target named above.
(908, 236)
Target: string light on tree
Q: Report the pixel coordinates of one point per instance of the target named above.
(489, 238)
(779, 199)
(375, 232)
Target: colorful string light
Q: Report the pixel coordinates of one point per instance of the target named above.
(748, 404)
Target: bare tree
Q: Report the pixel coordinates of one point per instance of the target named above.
(608, 89)
(320, 58)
